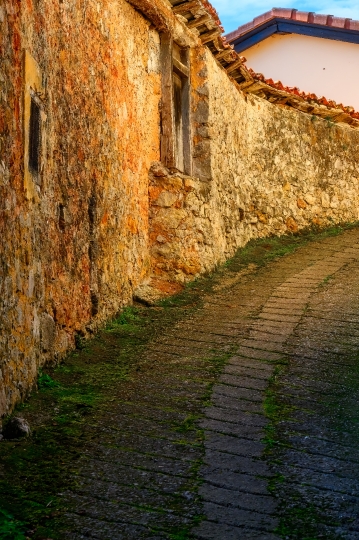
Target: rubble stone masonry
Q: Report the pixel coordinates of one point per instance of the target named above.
(103, 215)
(260, 169)
(74, 242)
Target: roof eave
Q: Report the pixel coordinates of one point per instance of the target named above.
(277, 25)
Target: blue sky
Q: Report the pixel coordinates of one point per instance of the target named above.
(233, 13)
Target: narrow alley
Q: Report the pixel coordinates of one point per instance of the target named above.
(236, 417)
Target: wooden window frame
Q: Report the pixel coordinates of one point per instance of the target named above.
(33, 126)
(173, 66)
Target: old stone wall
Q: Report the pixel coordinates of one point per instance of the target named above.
(74, 242)
(259, 169)
(277, 170)
(15, 316)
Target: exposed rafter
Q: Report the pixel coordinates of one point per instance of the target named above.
(203, 18)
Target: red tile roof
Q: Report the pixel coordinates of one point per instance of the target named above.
(201, 16)
(294, 15)
(210, 9)
(311, 98)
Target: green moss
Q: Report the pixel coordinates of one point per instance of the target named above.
(189, 424)
(184, 533)
(301, 523)
(275, 409)
(10, 528)
(129, 317)
(264, 250)
(180, 534)
(274, 482)
(45, 381)
(80, 341)
(326, 280)
(329, 121)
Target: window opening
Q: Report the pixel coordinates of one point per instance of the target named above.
(34, 137)
(181, 109)
(175, 106)
(178, 120)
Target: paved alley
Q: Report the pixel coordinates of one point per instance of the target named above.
(241, 420)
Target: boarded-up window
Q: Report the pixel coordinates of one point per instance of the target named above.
(34, 137)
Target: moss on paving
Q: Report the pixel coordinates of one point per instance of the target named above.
(34, 472)
(264, 250)
(301, 523)
(299, 518)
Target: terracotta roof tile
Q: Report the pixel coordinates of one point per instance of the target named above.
(307, 96)
(320, 19)
(301, 16)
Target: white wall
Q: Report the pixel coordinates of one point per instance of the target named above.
(322, 66)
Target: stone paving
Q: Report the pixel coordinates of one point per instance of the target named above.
(241, 421)
(290, 332)
(310, 324)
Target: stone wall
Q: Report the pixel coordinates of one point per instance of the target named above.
(74, 242)
(277, 170)
(15, 317)
(260, 169)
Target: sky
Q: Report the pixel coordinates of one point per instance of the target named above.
(233, 13)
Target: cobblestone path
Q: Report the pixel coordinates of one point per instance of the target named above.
(281, 432)
(241, 420)
(304, 340)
